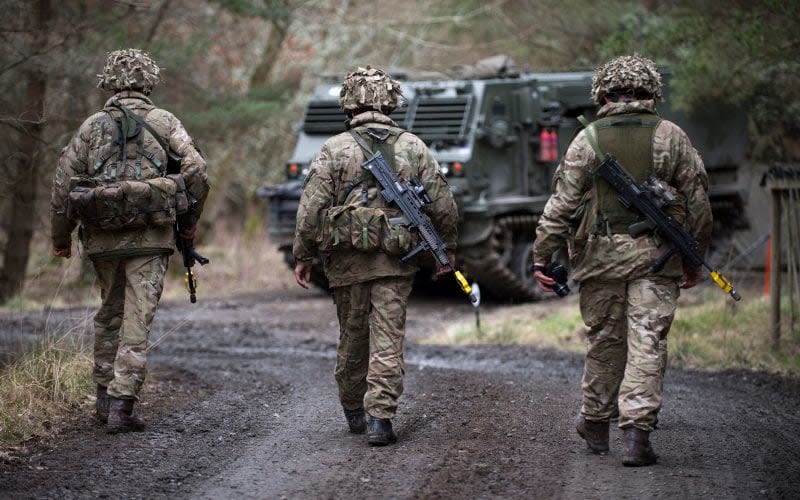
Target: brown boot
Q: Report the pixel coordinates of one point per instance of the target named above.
(101, 404)
(638, 451)
(121, 417)
(594, 433)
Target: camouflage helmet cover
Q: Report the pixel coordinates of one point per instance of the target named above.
(129, 69)
(370, 88)
(626, 73)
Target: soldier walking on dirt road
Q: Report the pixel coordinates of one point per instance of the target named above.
(129, 173)
(627, 307)
(344, 220)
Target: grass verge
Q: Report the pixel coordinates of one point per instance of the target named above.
(710, 331)
(41, 387)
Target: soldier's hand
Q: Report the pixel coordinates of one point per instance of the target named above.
(302, 274)
(442, 270)
(65, 252)
(545, 282)
(691, 277)
(187, 233)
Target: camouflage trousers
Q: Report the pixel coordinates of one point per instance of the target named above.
(130, 289)
(627, 348)
(369, 358)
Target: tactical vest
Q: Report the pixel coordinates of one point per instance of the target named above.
(356, 222)
(630, 139)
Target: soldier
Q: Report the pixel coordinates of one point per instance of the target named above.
(112, 178)
(343, 219)
(627, 308)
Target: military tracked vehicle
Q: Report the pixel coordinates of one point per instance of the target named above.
(498, 141)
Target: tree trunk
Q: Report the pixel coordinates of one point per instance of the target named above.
(21, 215)
(272, 49)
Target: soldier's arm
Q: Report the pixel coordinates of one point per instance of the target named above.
(72, 162)
(442, 210)
(571, 181)
(317, 195)
(193, 166)
(691, 180)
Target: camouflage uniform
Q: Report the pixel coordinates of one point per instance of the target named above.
(370, 289)
(130, 263)
(627, 308)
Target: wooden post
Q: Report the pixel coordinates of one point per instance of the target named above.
(780, 185)
(775, 265)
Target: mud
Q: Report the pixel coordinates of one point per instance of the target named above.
(241, 402)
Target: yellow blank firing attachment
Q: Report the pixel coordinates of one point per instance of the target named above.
(725, 284)
(474, 294)
(190, 281)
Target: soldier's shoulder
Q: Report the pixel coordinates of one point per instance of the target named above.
(409, 139)
(671, 129)
(161, 116)
(339, 141)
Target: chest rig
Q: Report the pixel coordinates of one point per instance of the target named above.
(630, 139)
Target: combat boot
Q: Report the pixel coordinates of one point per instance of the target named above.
(101, 403)
(638, 451)
(379, 432)
(121, 417)
(356, 420)
(594, 433)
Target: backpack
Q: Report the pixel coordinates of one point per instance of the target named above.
(113, 198)
(357, 225)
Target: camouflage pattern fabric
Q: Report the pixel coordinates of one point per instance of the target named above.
(627, 348)
(338, 163)
(129, 69)
(619, 256)
(626, 73)
(130, 290)
(93, 141)
(627, 308)
(370, 288)
(369, 358)
(369, 88)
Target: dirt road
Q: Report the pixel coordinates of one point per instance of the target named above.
(241, 403)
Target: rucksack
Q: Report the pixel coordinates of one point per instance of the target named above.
(109, 199)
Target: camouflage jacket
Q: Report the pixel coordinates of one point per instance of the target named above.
(338, 163)
(569, 211)
(94, 140)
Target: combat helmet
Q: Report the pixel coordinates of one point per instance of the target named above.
(129, 69)
(631, 73)
(369, 88)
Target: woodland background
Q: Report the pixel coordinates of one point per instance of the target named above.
(239, 72)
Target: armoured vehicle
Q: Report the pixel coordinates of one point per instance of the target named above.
(498, 140)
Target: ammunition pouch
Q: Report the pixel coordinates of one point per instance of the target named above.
(366, 229)
(129, 204)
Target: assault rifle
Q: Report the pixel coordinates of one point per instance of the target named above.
(647, 199)
(410, 197)
(188, 251)
(190, 256)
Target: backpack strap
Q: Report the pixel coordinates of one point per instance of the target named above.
(160, 140)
